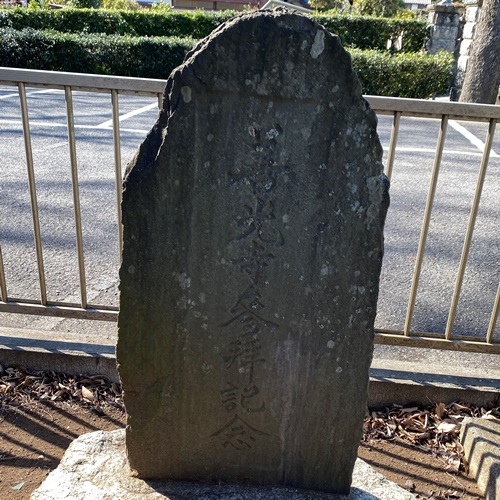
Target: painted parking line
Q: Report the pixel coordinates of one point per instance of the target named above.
(126, 116)
(143, 132)
(18, 123)
(45, 91)
(475, 141)
(52, 146)
(433, 151)
(108, 124)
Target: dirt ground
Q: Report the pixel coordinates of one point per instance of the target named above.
(40, 414)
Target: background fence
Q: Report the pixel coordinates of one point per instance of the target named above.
(406, 334)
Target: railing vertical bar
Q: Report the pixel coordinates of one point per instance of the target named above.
(76, 194)
(3, 283)
(118, 167)
(470, 228)
(425, 224)
(392, 144)
(32, 187)
(494, 317)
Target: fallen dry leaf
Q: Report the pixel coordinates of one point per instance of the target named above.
(440, 410)
(410, 485)
(452, 469)
(446, 427)
(17, 382)
(87, 394)
(432, 428)
(489, 416)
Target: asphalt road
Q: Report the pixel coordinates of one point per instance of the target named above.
(410, 181)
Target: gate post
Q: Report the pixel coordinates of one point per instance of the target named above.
(445, 31)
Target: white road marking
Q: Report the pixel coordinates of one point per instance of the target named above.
(46, 91)
(433, 151)
(126, 116)
(52, 146)
(475, 141)
(63, 125)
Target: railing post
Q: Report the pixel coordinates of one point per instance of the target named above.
(494, 317)
(470, 229)
(118, 167)
(76, 194)
(425, 224)
(32, 186)
(3, 284)
(392, 144)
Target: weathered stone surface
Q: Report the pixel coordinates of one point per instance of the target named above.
(95, 466)
(253, 217)
(480, 438)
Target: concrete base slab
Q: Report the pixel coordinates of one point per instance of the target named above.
(95, 466)
(480, 438)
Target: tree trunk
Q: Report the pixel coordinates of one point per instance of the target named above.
(482, 77)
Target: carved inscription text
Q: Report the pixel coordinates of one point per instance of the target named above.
(257, 238)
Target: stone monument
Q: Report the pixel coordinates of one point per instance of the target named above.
(253, 216)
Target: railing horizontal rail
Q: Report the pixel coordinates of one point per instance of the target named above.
(426, 342)
(148, 86)
(102, 313)
(433, 335)
(80, 81)
(434, 109)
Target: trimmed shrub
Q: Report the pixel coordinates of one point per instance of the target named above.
(85, 4)
(101, 54)
(383, 8)
(354, 31)
(402, 75)
(196, 24)
(66, 20)
(373, 32)
(414, 75)
(120, 4)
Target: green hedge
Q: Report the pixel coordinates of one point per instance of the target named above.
(414, 75)
(366, 32)
(354, 31)
(403, 75)
(101, 54)
(195, 24)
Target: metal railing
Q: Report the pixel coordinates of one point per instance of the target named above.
(114, 86)
(443, 111)
(69, 82)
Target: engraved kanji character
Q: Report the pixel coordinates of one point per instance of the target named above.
(238, 434)
(229, 397)
(247, 309)
(253, 263)
(258, 215)
(245, 351)
(247, 395)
